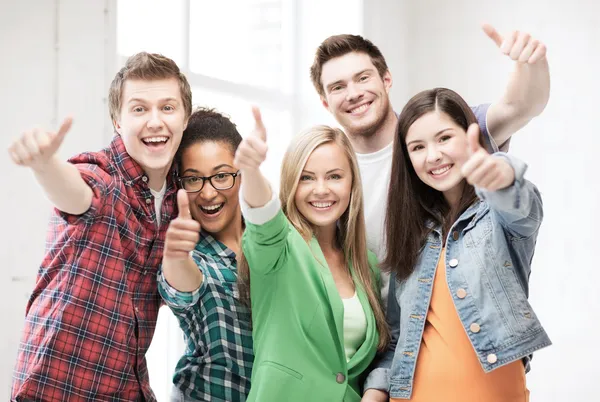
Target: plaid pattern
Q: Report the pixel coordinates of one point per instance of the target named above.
(91, 316)
(217, 364)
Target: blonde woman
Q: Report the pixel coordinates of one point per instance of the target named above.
(317, 321)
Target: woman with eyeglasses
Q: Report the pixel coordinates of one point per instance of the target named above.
(198, 276)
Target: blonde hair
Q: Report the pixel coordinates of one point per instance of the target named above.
(351, 225)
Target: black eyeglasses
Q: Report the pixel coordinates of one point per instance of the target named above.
(220, 181)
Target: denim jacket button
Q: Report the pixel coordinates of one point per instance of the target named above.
(475, 328)
(492, 358)
(455, 235)
(461, 293)
(453, 263)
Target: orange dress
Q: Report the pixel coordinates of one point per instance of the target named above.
(448, 369)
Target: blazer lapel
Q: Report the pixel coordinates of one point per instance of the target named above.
(370, 342)
(336, 306)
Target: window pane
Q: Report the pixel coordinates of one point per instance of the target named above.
(151, 25)
(241, 41)
(277, 122)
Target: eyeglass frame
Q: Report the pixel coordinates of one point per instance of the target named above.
(209, 179)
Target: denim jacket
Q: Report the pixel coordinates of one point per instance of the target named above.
(488, 255)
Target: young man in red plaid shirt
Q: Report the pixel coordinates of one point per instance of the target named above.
(91, 316)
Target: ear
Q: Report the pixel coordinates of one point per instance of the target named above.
(117, 126)
(387, 81)
(325, 103)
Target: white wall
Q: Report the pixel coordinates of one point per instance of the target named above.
(56, 56)
(441, 44)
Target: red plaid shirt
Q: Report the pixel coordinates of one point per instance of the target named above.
(91, 317)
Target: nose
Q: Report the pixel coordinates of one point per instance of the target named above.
(155, 122)
(320, 188)
(208, 192)
(433, 155)
(353, 93)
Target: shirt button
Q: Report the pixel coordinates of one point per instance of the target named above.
(340, 378)
(455, 235)
(453, 263)
(475, 328)
(137, 310)
(492, 358)
(148, 200)
(145, 179)
(461, 293)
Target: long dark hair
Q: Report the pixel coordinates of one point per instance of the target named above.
(412, 203)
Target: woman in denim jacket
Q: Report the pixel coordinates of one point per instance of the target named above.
(461, 230)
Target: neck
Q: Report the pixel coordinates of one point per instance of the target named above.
(326, 236)
(453, 195)
(231, 236)
(156, 178)
(376, 141)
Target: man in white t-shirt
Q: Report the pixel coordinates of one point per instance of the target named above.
(353, 80)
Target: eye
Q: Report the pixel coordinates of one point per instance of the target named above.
(221, 177)
(445, 138)
(138, 109)
(168, 108)
(336, 88)
(417, 148)
(305, 177)
(363, 78)
(335, 176)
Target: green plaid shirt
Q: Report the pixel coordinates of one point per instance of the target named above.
(217, 363)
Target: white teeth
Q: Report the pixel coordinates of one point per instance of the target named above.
(212, 207)
(321, 204)
(442, 170)
(155, 139)
(360, 109)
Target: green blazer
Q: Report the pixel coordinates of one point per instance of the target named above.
(297, 318)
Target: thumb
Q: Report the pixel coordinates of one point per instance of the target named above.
(491, 32)
(64, 128)
(183, 204)
(473, 139)
(259, 128)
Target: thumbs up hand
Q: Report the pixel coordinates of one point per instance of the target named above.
(519, 46)
(252, 151)
(35, 147)
(183, 232)
(483, 170)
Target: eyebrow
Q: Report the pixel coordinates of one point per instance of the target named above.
(140, 100)
(329, 171)
(353, 77)
(437, 134)
(221, 166)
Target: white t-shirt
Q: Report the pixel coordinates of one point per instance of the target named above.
(375, 172)
(158, 200)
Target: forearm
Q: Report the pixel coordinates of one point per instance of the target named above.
(64, 186)
(256, 190)
(526, 96)
(183, 276)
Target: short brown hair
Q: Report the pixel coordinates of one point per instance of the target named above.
(147, 66)
(340, 45)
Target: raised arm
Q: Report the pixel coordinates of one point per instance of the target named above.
(498, 179)
(61, 181)
(528, 88)
(250, 154)
(179, 269)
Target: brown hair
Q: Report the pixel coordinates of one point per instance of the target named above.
(352, 235)
(340, 45)
(412, 203)
(147, 66)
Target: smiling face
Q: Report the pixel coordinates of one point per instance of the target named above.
(151, 124)
(216, 210)
(437, 147)
(325, 186)
(355, 93)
